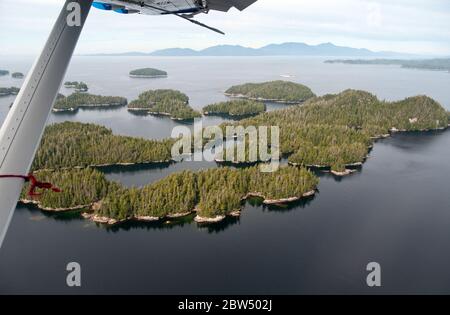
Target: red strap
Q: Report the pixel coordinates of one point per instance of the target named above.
(34, 183)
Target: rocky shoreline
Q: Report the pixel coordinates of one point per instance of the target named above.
(135, 76)
(90, 214)
(149, 112)
(261, 99)
(93, 106)
(105, 165)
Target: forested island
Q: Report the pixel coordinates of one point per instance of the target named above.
(9, 91)
(71, 145)
(78, 100)
(148, 73)
(78, 86)
(4, 72)
(235, 108)
(212, 194)
(17, 75)
(164, 102)
(427, 64)
(335, 132)
(276, 91)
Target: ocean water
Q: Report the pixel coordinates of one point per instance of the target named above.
(395, 211)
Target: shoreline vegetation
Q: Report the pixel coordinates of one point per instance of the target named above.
(235, 108)
(148, 73)
(284, 92)
(17, 75)
(442, 64)
(9, 91)
(80, 87)
(332, 133)
(79, 100)
(211, 194)
(336, 132)
(72, 145)
(167, 102)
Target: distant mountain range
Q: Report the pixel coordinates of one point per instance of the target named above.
(285, 49)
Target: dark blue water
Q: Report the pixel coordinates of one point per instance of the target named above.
(395, 211)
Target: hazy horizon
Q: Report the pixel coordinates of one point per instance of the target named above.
(414, 27)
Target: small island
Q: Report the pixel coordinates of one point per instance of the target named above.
(284, 92)
(78, 86)
(235, 108)
(17, 75)
(9, 91)
(426, 64)
(78, 100)
(4, 72)
(148, 73)
(170, 103)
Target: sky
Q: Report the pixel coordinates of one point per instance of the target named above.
(409, 26)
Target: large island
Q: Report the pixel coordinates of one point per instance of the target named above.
(4, 72)
(276, 91)
(211, 194)
(335, 132)
(170, 103)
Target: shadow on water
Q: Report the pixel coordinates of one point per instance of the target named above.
(166, 224)
(414, 141)
(135, 167)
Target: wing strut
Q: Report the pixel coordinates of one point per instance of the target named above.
(22, 130)
(143, 4)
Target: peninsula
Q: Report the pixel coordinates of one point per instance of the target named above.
(78, 100)
(235, 108)
(212, 194)
(148, 73)
(335, 132)
(442, 64)
(170, 103)
(276, 91)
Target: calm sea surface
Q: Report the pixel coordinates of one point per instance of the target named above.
(396, 211)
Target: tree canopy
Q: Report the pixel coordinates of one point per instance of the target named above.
(148, 72)
(69, 145)
(282, 91)
(337, 130)
(237, 108)
(165, 102)
(77, 100)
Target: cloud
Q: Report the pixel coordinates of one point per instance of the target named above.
(417, 26)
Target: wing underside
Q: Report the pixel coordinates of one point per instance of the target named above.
(162, 7)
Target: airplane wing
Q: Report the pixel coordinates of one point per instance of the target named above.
(185, 9)
(24, 125)
(161, 7)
